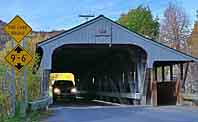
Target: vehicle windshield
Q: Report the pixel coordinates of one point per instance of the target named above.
(64, 83)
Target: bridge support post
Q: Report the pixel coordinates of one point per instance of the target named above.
(149, 92)
(153, 88)
(44, 86)
(144, 88)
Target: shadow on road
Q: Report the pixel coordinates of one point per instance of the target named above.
(79, 103)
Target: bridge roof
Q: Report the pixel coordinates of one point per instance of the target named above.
(89, 32)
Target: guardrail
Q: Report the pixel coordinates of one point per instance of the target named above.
(136, 96)
(191, 99)
(40, 104)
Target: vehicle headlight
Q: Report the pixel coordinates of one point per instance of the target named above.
(73, 90)
(57, 91)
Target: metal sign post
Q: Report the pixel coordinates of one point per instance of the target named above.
(25, 90)
(13, 90)
(18, 58)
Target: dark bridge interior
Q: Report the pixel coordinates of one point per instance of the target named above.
(100, 70)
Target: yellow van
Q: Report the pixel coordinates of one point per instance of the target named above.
(63, 86)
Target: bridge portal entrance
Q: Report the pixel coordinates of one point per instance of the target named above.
(103, 72)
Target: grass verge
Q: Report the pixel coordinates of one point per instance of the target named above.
(36, 116)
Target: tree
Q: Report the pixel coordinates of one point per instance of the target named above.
(174, 29)
(142, 21)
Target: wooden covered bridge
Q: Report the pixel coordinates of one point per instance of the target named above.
(111, 62)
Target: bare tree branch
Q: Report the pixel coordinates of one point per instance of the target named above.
(174, 29)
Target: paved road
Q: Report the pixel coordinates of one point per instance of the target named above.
(124, 114)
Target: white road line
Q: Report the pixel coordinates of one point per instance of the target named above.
(99, 107)
(110, 103)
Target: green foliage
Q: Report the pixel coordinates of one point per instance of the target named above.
(4, 103)
(34, 85)
(36, 116)
(141, 20)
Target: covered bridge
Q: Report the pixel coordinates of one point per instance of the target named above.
(110, 61)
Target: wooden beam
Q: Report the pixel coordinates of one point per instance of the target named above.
(44, 83)
(185, 75)
(146, 99)
(181, 72)
(171, 72)
(153, 88)
(155, 75)
(163, 74)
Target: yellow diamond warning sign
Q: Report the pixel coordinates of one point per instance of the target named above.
(17, 28)
(18, 57)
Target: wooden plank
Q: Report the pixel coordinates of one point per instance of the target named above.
(166, 93)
